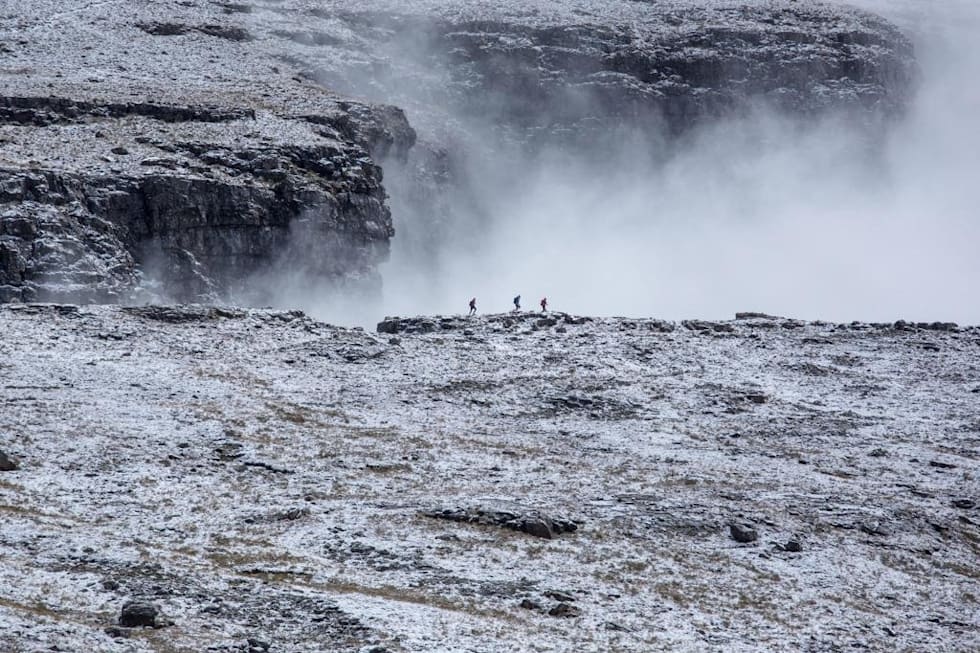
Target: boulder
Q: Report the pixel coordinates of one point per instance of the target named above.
(742, 533)
(7, 464)
(138, 613)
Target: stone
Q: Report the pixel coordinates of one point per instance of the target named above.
(565, 610)
(513, 517)
(874, 528)
(7, 464)
(538, 528)
(816, 341)
(793, 546)
(257, 645)
(138, 613)
(964, 504)
(742, 533)
(530, 604)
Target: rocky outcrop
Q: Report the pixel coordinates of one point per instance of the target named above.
(198, 221)
(166, 177)
(568, 70)
(515, 518)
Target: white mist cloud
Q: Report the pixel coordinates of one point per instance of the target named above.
(754, 214)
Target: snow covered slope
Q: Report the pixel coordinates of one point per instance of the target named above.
(269, 482)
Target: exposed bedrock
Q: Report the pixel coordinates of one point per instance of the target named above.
(190, 216)
(144, 163)
(561, 68)
(492, 86)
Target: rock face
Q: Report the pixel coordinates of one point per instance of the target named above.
(569, 67)
(198, 216)
(496, 89)
(171, 174)
(190, 151)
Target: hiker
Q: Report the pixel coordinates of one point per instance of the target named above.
(544, 304)
(517, 303)
(473, 306)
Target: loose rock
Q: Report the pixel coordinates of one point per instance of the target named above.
(530, 604)
(138, 613)
(742, 533)
(565, 610)
(257, 645)
(7, 464)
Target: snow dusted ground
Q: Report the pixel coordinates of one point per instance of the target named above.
(262, 475)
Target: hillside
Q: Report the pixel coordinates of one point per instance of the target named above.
(499, 483)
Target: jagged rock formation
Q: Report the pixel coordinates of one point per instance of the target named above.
(185, 148)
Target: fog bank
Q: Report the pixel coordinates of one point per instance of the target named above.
(752, 214)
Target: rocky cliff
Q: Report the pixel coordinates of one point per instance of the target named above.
(151, 159)
(572, 66)
(185, 149)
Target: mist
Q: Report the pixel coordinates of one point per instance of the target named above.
(757, 213)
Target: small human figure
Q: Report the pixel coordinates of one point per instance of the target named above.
(544, 304)
(473, 306)
(517, 303)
